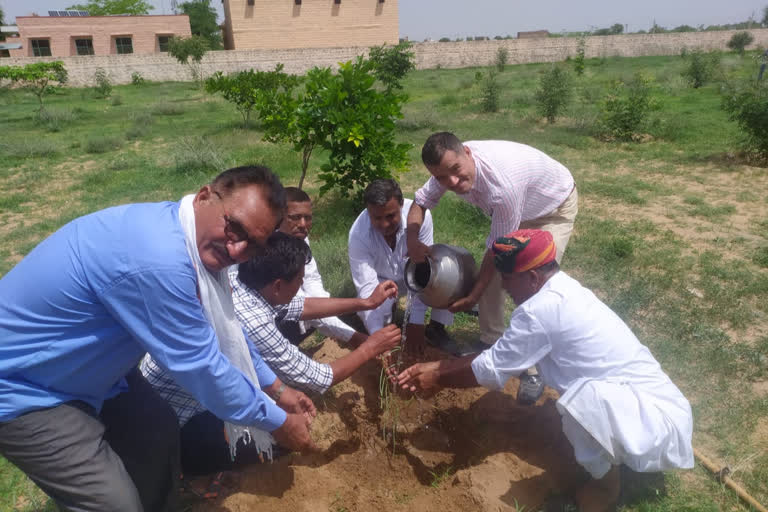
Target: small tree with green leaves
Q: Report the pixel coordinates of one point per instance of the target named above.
(391, 63)
(554, 93)
(103, 86)
(189, 51)
(345, 114)
(701, 67)
(502, 56)
(491, 90)
(626, 107)
(111, 7)
(581, 50)
(739, 41)
(747, 105)
(41, 78)
(252, 90)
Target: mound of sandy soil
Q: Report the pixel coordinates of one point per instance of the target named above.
(458, 450)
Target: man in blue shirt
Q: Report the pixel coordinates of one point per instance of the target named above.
(79, 312)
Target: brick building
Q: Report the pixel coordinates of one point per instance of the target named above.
(61, 36)
(278, 24)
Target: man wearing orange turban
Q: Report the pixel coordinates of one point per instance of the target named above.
(616, 404)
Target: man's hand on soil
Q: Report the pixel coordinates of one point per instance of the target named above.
(296, 402)
(385, 290)
(294, 434)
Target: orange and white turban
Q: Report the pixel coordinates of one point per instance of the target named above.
(523, 250)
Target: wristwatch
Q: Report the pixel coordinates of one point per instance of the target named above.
(279, 391)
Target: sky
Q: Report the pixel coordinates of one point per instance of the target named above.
(433, 19)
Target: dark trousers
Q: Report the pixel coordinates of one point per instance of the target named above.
(126, 459)
(204, 448)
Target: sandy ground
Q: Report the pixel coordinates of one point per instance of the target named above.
(459, 450)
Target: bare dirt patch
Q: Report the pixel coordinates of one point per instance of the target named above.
(459, 450)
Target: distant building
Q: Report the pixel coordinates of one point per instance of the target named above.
(61, 36)
(532, 34)
(309, 23)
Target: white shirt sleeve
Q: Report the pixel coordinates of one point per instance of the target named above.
(313, 287)
(429, 194)
(366, 279)
(523, 344)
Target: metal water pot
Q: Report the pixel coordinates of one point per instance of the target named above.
(448, 275)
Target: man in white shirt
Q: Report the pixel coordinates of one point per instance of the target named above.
(377, 252)
(616, 404)
(297, 222)
(518, 187)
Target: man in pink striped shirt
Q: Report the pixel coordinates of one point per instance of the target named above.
(519, 187)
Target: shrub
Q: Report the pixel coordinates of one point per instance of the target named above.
(701, 67)
(166, 108)
(502, 56)
(581, 50)
(391, 64)
(103, 87)
(748, 107)
(490, 92)
(189, 51)
(626, 107)
(739, 41)
(137, 79)
(249, 90)
(346, 114)
(101, 143)
(117, 101)
(55, 120)
(445, 40)
(554, 93)
(197, 155)
(26, 148)
(140, 125)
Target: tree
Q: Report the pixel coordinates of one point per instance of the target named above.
(2, 37)
(616, 29)
(202, 21)
(253, 90)
(764, 21)
(105, 7)
(748, 107)
(189, 51)
(739, 41)
(37, 77)
(554, 93)
(348, 116)
(391, 64)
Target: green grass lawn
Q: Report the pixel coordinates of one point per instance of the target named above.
(672, 233)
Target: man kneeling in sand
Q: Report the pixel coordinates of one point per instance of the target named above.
(617, 405)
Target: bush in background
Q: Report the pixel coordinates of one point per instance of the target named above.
(55, 120)
(197, 155)
(554, 93)
(491, 89)
(101, 143)
(103, 87)
(137, 79)
(739, 41)
(189, 51)
(502, 56)
(626, 108)
(249, 90)
(581, 50)
(701, 67)
(392, 63)
(748, 107)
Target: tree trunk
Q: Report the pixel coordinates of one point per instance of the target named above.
(305, 163)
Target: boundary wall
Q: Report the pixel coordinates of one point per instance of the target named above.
(461, 54)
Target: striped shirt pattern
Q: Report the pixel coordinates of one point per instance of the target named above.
(259, 319)
(514, 183)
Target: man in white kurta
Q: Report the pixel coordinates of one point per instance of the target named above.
(297, 221)
(617, 405)
(378, 252)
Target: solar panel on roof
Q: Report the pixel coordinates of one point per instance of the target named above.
(63, 13)
(53, 13)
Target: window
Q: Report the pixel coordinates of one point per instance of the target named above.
(123, 45)
(40, 47)
(297, 2)
(163, 42)
(84, 46)
(337, 1)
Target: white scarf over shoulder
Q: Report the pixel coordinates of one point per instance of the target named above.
(216, 298)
